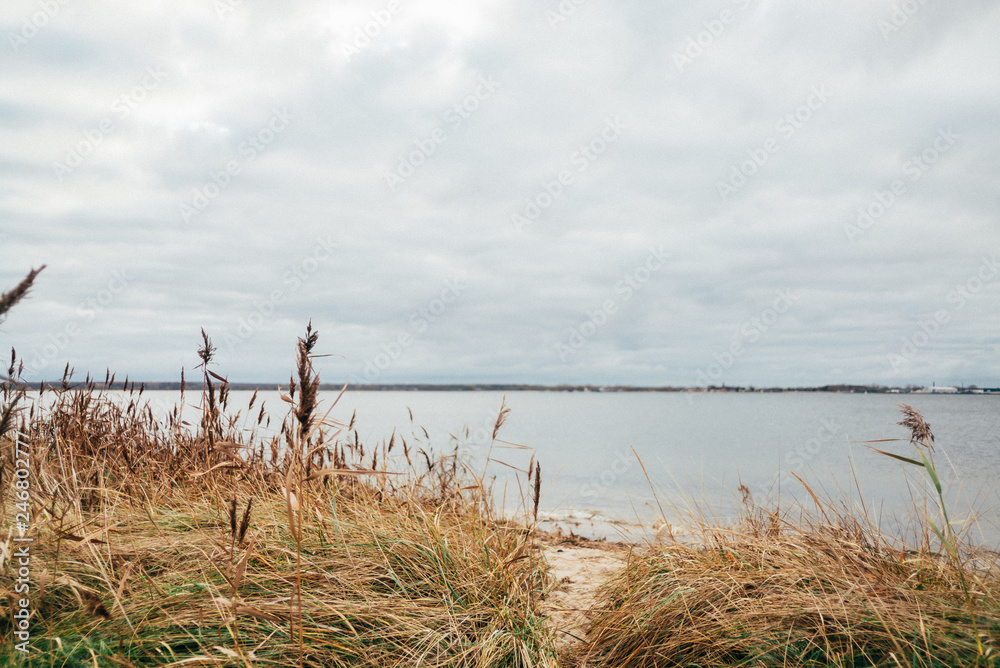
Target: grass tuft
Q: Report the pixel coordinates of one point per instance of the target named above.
(143, 558)
(390, 555)
(821, 587)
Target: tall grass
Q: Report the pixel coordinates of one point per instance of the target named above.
(922, 438)
(18, 292)
(163, 542)
(820, 586)
(195, 541)
(10, 394)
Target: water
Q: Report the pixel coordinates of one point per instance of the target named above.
(693, 446)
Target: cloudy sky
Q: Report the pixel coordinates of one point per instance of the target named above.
(760, 192)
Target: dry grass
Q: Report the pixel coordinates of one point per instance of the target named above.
(166, 543)
(18, 292)
(822, 589)
(195, 541)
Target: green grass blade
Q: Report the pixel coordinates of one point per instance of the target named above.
(931, 472)
(899, 457)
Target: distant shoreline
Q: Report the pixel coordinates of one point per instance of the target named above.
(517, 387)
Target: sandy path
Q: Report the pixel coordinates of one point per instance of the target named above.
(579, 568)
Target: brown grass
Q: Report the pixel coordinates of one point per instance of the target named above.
(196, 541)
(341, 556)
(19, 292)
(822, 588)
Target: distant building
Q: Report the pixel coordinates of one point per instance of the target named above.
(934, 389)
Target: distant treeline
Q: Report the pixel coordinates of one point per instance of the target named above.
(494, 387)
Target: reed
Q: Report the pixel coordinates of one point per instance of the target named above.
(922, 438)
(811, 586)
(10, 394)
(196, 541)
(18, 292)
(160, 543)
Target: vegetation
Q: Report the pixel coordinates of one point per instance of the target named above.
(820, 587)
(195, 543)
(199, 540)
(18, 292)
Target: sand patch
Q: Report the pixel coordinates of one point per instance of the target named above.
(579, 568)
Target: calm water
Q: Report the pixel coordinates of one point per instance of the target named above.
(695, 447)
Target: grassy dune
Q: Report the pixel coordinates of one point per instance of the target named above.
(188, 544)
(196, 542)
(823, 590)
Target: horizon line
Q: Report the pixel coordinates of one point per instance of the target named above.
(494, 386)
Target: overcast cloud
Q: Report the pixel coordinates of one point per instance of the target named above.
(757, 192)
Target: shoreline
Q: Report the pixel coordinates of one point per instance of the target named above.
(514, 387)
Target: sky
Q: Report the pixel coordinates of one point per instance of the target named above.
(748, 192)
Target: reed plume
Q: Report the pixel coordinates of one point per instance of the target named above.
(308, 382)
(244, 523)
(13, 296)
(536, 491)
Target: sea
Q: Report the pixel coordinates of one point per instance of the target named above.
(631, 465)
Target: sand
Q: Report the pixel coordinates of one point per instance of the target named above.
(579, 568)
